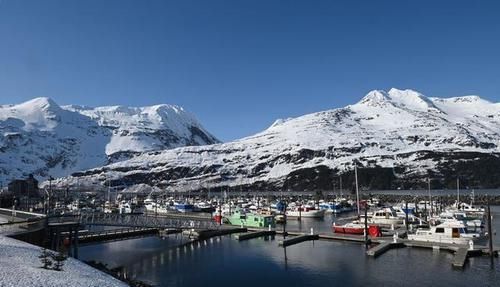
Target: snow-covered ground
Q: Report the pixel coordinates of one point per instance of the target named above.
(20, 266)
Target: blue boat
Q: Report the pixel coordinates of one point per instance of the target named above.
(183, 207)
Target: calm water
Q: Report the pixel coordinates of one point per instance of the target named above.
(260, 262)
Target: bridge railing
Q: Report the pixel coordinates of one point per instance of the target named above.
(146, 221)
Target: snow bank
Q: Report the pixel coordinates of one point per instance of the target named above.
(20, 266)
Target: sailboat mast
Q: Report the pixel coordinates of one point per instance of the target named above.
(341, 185)
(357, 189)
(458, 192)
(429, 190)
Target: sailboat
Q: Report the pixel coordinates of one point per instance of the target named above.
(356, 227)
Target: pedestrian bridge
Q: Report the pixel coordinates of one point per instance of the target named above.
(177, 221)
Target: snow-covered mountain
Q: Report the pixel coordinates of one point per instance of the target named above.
(401, 134)
(45, 139)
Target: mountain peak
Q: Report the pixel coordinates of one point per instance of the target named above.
(400, 98)
(375, 97)
(41, 103)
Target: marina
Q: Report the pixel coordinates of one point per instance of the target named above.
(379, 230)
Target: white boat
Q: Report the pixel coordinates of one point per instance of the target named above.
(385, 216)
(154, 207)
(469, 209)
(203, 207)
(459, 217)
(448, 232)
(305, 212)
(124, 207)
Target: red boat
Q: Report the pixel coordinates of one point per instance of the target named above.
(357, 228)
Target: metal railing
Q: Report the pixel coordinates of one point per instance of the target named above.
(112, 219)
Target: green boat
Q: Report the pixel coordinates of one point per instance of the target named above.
(248, 219)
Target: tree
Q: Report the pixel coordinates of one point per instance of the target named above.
(59, 259)
(46, 258)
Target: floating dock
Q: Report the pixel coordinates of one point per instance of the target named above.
(208, 233)
(298, 239)
(255, 234)
(383, 247)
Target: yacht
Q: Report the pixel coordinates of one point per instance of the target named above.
(447, 232)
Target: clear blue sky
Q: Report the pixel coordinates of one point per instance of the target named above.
(239, 65)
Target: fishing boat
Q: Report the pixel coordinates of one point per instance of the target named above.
(447, 232)
(247, 219)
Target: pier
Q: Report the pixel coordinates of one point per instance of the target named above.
(255, 234)
(383, 247)
(297, 239)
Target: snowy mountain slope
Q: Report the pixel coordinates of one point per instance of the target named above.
(402, 130)
(45, 139)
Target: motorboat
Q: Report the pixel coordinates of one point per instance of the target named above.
(305, 212)
(385, 216)
(447, 232)
(203, 207)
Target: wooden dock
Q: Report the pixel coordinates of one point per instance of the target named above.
(255, 234)
(298, 239)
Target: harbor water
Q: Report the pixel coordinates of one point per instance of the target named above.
(224, 261)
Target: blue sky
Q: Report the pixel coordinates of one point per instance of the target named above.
(239, 65)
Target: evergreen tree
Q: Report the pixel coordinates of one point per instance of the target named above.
(59, 259)
(46, 258)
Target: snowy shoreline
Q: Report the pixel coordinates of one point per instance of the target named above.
(20, 266)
